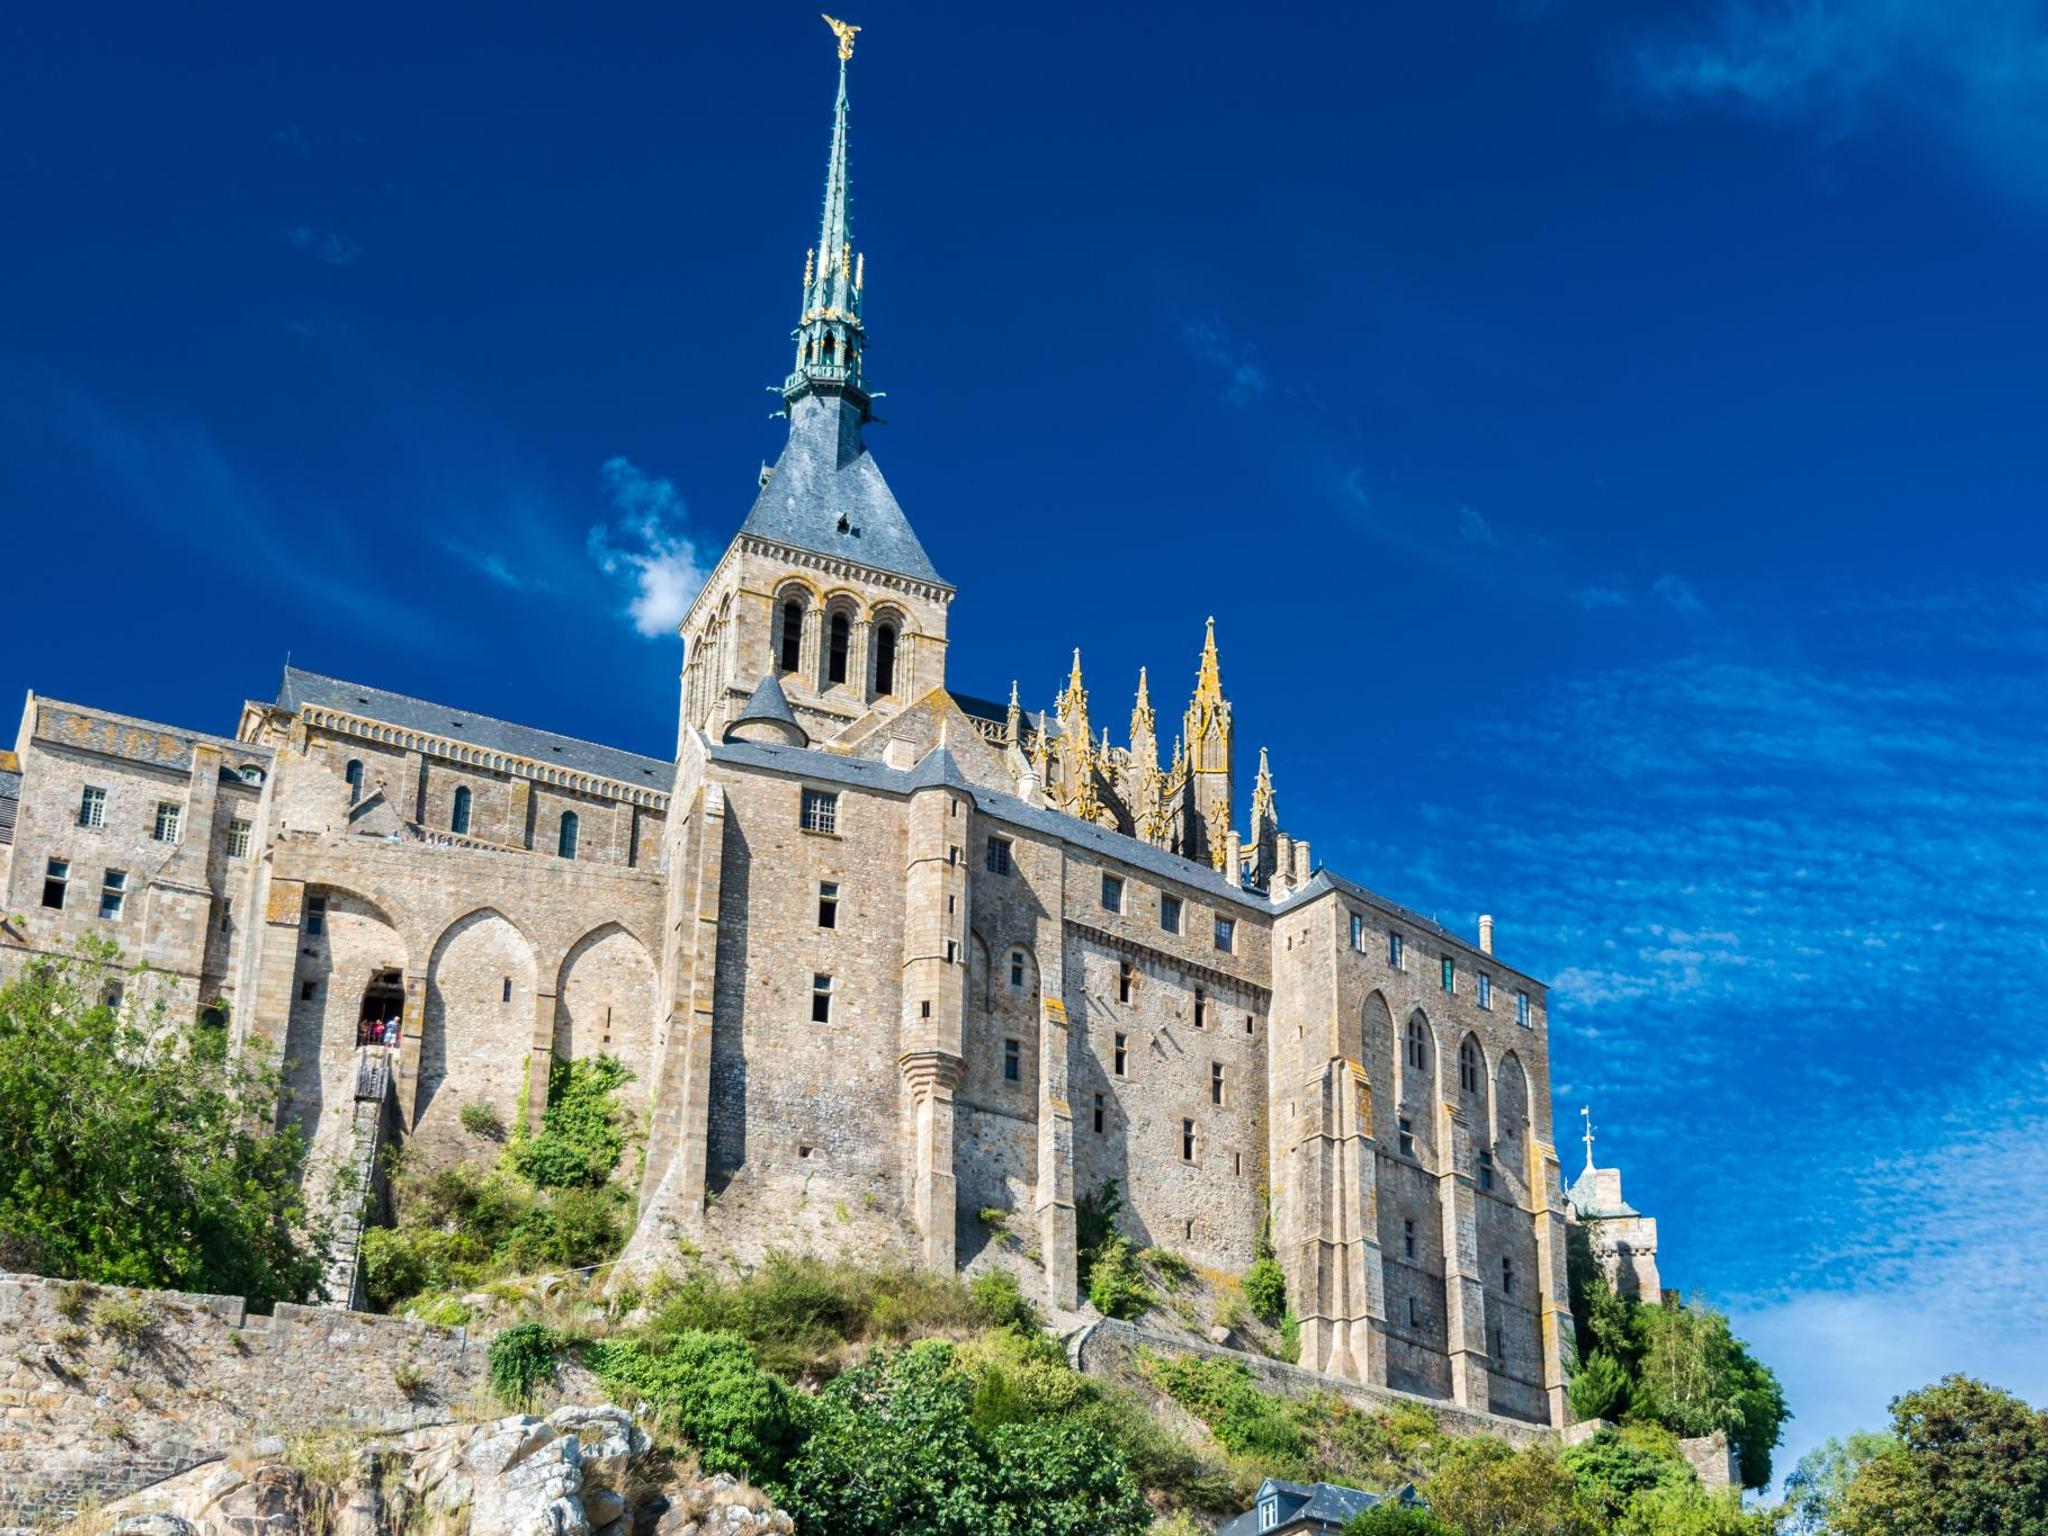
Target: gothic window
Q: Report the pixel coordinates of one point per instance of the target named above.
(458, 822)
(565, 842)
(354, 774)
(791, 651)
(1468, 1067)
(885, 659)
(841, 642)
(1418, 1045)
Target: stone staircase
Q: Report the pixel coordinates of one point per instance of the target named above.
(358, 1182)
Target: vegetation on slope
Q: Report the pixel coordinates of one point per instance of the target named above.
(138, 1152)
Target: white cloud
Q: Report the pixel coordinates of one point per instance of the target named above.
(1244, 380)
(1679, 594)
(647, 549)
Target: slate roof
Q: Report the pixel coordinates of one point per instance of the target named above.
(1322, 882)
(301, 687)
(827, 495)
(768, 702)
(1313, 1507)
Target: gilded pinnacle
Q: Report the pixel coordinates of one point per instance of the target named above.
(844, 32)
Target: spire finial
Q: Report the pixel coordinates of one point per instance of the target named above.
(829, 338)
(844, 32)
(1074, 677)
(1013, 694)
(1209, 680)
(1586, 1114)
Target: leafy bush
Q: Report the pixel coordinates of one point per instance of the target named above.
(1115, 1283)
(1612, 1468)
(1389, 1519)
(1169, 1266)
(708, 1389)
(125, 1319)
(1265, 1289)
(1244, 1420)
(1482, 1487)
(1095, 1222)
(580, 1138)
(479, 1119)
(130, 1156)
(409, 1378)
(999, 1303)
(521, 1358)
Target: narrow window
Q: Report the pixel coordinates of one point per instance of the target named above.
(238, 839)
(1408, 1238)
(306, 990)
(55, 874)
(792, 651)
(1468, 1067)
(1201, 1008)
(842, 635)
(1450, 974)
(1112, 893)
(1499, 1344)
(885, 659)
(1226, 934)
(821, 999)
(1215, 1082)
(565, 840)
(1169, 913)
(1407, 1137)
(113, 886)
(1013, 1062)
(1123, 981)
(1187, 1141)
(1017, 970)
(1522, 1009)
(1100, 1113)
(167, 818)
(1507, 1276)
(1247, 1023)
(1394, 955)
(1237, 1164)
(354, 774)
(1357, 931)
(1485, 1169)
(821, 811)
(828, 903)
(458, 822)
(1122, 1053)
(1418, 1045)
(505, 992)
(999, 856)
(952, 950)
(1485, 990)
(227, 915)
(316, 916)
(92, 807)
(1414, 1314)
(113, 995)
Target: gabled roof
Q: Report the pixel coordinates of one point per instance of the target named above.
(826, 495)
(301, 688)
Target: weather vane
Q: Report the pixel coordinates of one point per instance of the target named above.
(1586, 1114)
(844, 32)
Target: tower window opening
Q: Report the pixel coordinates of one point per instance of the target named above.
(1418, 1045)
(1407, 1137)
(565, 842)
(353, 773)
(792, 649)
(1408, 1238)
(1122, 1057)
(885, 659)
(1187, 1141)
(1100, 1114)
(458, 820)
(1123, 981)
(1013, 1061)
(1201, 1009)
(1215, 1082)
(842, 640)
(1017, 969)
(828, 903)
(1468, 1067)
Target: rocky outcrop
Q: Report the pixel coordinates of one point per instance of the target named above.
(580, 1471)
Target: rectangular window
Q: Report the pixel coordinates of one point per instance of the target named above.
(238, 839)
(1414, 1314)
(1408, 1238)
(1201, 1009)
(1237, 1164)
(1395, 958)
(1169, 913)
(307, 989)
(1112, 893)
(1357, 931)
(924, 1009)
(999, 856)
(1187, 1141)
(1485, 990)
(1017, 970)
(1507, 1276)
(1123, 981)
(113, 887)
(1269, 1514)
(1013, 1062)
(316, 916)
(1226, 934)
(1215, 1082)
(828, 903)
(821, 998)
(1450, 974)
(1122, 1054)
(1407, 1137)
(1522, 1009)
(952, 950)
(821, 811)
(55, 874)
(227, 914)
(1485, 1170)
(167, 818)
(1101, 1113)
(92, 807)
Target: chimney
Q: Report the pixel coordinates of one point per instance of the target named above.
(1485, 934)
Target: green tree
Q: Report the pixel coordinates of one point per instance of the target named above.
(1612, 1468)
(1599, 1387)
(1814, 1489)
(1389, 1519)
(1970, 1460)
(1115, 1283)
(1485, 1488)
(580, 1138)
(141, 1156)
(1694, 1377)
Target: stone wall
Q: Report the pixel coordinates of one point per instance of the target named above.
(105, 1390)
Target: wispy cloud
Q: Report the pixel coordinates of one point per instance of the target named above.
(1679, 596)
(1596, 596)
(495, 566)
(1244, 380)
(323, 245)
(1976, 71)
(646, 549)
(1474, 528)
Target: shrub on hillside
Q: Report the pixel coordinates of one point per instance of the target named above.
(1265, 1289)
(580, 1138)
(1115, 1283)
(1612, 1468)
(1599, 1387)
(1486, 1488)
(521, 1358)
(709, 1390)
(1387, 1519)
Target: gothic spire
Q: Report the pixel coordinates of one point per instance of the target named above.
(1209, 679)
(1263, 811)
(829, 338)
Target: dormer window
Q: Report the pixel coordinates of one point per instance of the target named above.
(1269, 1513)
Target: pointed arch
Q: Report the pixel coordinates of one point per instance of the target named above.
(605, 994)
(358, 943)
(1416, 1074)
(477, 1027)
(1374, 1042)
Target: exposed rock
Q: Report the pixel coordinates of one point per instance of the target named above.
(159, 1524)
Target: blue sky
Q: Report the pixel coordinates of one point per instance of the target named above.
(1609, 438)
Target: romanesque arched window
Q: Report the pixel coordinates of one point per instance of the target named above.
(565, 844)
(791, 650)
(1418, 1045)
(458, 820)
(841, 642)
(354, 774)
(885, 659)
(1468, 1067)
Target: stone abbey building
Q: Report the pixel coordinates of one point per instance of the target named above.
(880, 955)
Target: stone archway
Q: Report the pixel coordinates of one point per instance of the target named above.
(475, 1036)
(604, 1006)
